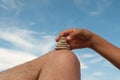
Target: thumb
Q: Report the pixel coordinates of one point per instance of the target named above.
(72, 36)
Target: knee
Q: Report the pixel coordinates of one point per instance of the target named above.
(66, 57)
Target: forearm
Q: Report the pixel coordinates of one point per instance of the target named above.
(106, 49)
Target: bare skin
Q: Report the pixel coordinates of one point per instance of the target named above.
(55, 65)
(63, 64)
(81, 38)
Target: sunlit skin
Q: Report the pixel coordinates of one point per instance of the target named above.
(81, 38)
(63, 64)
(55, 65)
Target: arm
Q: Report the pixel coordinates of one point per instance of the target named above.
(81, 38)
(106, 49)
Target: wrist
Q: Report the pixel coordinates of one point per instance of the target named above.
(93, 40)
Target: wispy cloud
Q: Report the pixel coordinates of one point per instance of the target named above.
(93, 7)
(24, 39)
(95, 60)
(26, 44)
(87, 55)
(11, 5)
(81, 3)
(16, 36)
(101, 6)
(89, 58)
(83, 65)
(10, 58)
(98, 75)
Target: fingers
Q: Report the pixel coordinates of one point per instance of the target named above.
(75, 37)
(70, 34)
(64, 34)
(74, 34)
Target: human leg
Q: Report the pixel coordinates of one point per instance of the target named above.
(56, 65)
(64, 65)
(26, 71)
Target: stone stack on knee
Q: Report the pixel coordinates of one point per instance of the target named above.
(62, 44)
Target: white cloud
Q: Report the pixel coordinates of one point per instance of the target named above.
(81, 3)
(97, 74)
(10, 58)
(95, 60)
(24, 39)
(93, 7)
(10, 4)
(87, 55)
(101, 6)
(16, 37)
(24, 43)
(83, 66)
(46, 43)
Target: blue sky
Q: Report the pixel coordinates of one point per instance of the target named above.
(28, 29)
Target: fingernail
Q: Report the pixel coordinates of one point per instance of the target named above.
(68, 38)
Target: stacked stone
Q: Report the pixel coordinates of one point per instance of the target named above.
(62, 44)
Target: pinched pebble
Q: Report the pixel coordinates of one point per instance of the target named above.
(62, 44)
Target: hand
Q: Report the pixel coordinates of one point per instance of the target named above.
(77, 38)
